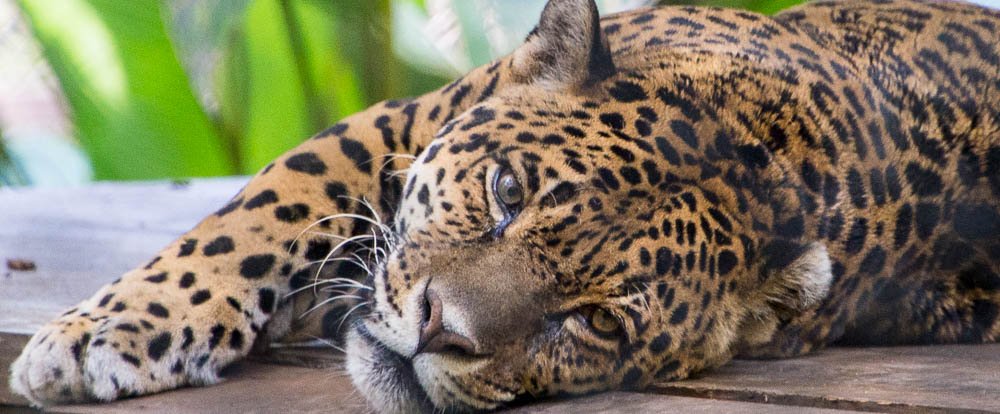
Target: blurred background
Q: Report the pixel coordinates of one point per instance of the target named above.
(170, 89)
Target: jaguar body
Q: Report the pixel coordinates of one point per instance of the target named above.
(619, 201)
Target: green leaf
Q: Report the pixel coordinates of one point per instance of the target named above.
(759, 6)
(334, 84)
(263, 96)
(285, 76)
(770, 6)
(363, 30)
(131, 102)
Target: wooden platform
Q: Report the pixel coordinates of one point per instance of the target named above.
(79, 239)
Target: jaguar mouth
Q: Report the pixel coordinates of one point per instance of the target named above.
(385, 378)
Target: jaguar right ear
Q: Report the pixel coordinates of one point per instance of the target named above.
(567, 50)
(797, 278)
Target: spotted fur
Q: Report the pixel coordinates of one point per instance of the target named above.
(688, 185)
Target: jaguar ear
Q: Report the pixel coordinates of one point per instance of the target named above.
(567, 50)
(798, 277)
(801, 278)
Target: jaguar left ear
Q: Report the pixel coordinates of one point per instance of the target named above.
(567, 50)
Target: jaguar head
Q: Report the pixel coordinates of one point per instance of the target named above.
(544, 249)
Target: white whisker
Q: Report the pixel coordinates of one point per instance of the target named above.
(344, 318)
(376, 219)
(327, 301)
(336, 249)
(399, 173)
(329, 343)
(347, 283)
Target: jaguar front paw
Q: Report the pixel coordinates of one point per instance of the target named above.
(80, 358)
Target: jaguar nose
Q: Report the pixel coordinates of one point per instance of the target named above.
(434, 337)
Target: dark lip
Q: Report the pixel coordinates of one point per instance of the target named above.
(402, 367)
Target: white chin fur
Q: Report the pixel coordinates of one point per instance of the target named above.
(378, 381)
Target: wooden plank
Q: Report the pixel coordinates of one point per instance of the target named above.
(10, 347)
(953, 378)
(250, 388)
(259, 388)
(82, 238)
(632, 402)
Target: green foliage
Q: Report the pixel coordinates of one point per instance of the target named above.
(264, 110)
(284, 74)
(759, 6)
(143, 108)
(132, 105)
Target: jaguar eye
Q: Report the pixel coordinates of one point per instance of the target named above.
(508, 190)
(602, 321)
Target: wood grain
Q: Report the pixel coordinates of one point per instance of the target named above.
(952, 378)
(82, 238)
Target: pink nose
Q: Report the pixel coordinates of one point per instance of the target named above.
(434, 338)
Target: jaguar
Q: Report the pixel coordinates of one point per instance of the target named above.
(620, 200)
